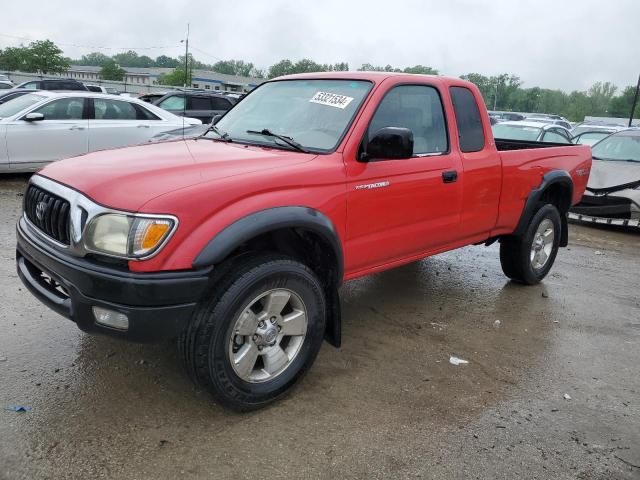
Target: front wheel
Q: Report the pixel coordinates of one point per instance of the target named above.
(528, 258)
(259, 332)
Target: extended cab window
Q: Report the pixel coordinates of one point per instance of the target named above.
(468, 119)
(418, 108)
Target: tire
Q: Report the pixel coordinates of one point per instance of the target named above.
(528, 258)
(218, 339)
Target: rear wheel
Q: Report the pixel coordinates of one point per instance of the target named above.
(528, 258)
(259, 332)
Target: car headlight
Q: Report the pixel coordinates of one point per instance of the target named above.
(127, 236)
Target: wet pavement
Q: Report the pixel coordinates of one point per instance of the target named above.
(388, 404)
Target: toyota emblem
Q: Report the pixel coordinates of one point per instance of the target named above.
(41, 208)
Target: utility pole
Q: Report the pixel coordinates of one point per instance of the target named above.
(635, 101)
(495, 97)
(186, 58)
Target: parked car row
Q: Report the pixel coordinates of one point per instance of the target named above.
(38, 127)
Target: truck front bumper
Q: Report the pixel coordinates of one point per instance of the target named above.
(157, 305)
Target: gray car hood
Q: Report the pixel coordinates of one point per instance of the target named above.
(607, 174)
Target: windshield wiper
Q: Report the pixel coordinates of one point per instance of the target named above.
(288, 140)
(223, 135)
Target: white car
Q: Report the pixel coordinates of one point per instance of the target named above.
(43, 126)
(531, 131)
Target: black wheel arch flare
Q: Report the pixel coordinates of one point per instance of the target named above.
(551, 180)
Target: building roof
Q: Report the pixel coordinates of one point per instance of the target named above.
(198, 74)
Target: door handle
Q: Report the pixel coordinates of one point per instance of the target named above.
(143, 126)
(450, 176)
(76, 127)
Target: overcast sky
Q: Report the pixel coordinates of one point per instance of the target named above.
(567, 44)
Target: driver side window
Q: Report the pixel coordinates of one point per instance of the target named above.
(418, 108)
(63, 109)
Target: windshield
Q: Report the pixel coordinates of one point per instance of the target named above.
(516, 132)
(591, 138)
(17, 104)
(622, 146)
(313, 113)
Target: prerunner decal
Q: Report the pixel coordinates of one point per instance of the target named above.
(331, 99)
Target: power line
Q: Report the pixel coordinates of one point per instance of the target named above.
(205, 53)
(95, 47)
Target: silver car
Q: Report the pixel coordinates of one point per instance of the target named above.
(613, 193)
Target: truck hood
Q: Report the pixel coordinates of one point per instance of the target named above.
(608, 175)
(127, 178)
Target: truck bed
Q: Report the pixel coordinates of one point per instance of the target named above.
(503, 144)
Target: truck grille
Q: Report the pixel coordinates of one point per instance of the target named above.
(48, 212)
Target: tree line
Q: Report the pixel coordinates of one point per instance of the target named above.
(500, 92)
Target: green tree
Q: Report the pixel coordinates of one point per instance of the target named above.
(111, 71)
(421, 69)
(44, 56)
(367, 67)
(163, 61)
(175, 78)
(483, 83)
(129, 58)
(600, 95)
(305, 65)
(94, 59)
(620, 106)
(13, 59)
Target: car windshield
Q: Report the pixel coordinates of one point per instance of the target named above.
(515, 132)
(314, 113)
(591, 138)
(17, 104)
(621, 146)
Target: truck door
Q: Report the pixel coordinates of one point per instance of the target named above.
(482, 168)
(397, 209)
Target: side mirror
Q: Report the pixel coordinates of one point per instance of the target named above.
(216, 118)
(34, 117)
(393, 143)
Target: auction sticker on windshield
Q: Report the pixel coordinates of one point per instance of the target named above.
(331, 99)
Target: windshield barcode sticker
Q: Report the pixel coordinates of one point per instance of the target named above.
(331, 99)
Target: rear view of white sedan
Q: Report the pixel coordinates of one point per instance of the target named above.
(42, 127)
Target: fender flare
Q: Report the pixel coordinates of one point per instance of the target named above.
(554, 177)
(246, 228)
(264, 221)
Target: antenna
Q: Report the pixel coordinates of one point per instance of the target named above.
(186, 75)
(635, 102)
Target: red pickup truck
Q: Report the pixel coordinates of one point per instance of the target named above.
(237, 241)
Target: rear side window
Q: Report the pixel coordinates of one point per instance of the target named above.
(220, 103)
(114, 110)
(199, 103)
(468, 119)
(174, 102)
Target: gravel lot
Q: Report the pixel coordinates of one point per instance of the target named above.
(387, 404)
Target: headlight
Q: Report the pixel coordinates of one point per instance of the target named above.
(127, 236)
